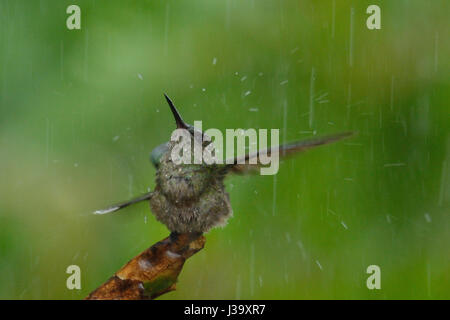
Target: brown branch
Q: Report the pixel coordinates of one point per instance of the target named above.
(153, 272)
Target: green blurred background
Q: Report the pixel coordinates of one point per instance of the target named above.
(80, 111)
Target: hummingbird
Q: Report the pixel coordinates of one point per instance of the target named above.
(191, 198)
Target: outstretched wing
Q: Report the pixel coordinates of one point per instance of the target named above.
(241, 164)
(124, 204)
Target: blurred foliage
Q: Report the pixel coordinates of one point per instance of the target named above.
(80, 111)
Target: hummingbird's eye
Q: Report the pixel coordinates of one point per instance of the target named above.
(157, 153)
(197, 133)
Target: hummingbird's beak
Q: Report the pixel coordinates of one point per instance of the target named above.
(179, 121)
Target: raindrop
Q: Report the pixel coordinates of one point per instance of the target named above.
(319, 265)
(144, 264)
(399, 164)
(288, 237)
(172, 255)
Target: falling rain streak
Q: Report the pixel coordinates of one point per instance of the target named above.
(311, 97)
(392, 93)
(61, 61)
(436, 51)
(274, 195)
(284, 123)
(166, 30)
(47, 143)
(86, 50)
(350, 54)
(333, 19)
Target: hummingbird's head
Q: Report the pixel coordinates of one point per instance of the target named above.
(194, 133)
(183, 181)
